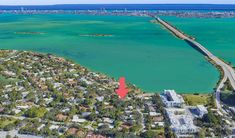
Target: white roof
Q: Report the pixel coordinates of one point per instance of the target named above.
(182, 121)
(172, 95)
(76, 119)
(160, 123)
(23, 107)
(100, 99)
(154, 114)
(40, 127)
(202, 108)
(53, 127)
(108, 120)
(16, 111)
(169, 97)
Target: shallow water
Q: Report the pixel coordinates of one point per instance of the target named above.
(215, 34)
(143, 52)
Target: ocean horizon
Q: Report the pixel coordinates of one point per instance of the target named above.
(226, 7)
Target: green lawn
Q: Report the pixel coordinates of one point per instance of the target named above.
(6, 121)
(5, 81)
(2, 78)
(193, 99)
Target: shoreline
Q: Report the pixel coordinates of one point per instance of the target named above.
(112, 72)
(137, 12)
(216, 62)
(110, 76)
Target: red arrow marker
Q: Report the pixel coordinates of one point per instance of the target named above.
(122, 90)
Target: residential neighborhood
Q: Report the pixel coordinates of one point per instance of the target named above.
(43, 95)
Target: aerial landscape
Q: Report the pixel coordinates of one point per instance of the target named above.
(117, 70)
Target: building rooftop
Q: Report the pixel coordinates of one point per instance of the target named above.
(171, 98)
(181, 120)
(202, 108)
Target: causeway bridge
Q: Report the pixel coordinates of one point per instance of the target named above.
(228, 71)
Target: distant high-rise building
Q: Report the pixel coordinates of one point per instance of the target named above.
(22, 9)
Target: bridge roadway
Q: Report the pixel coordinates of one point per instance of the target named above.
(228, 70)
(229, 73)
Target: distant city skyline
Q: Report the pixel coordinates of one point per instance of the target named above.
(53, 2)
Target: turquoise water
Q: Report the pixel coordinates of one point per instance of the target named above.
(143, 52)
(215, 34)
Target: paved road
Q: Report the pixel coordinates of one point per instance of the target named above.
(13, 133)
(142, 119)
(228, 70)
(218, 91)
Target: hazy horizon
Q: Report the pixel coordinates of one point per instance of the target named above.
(119, 4)
(59, 2)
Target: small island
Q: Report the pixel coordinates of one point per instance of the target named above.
(30, 33)
(97, 35)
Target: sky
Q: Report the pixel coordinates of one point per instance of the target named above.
(52, 2)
